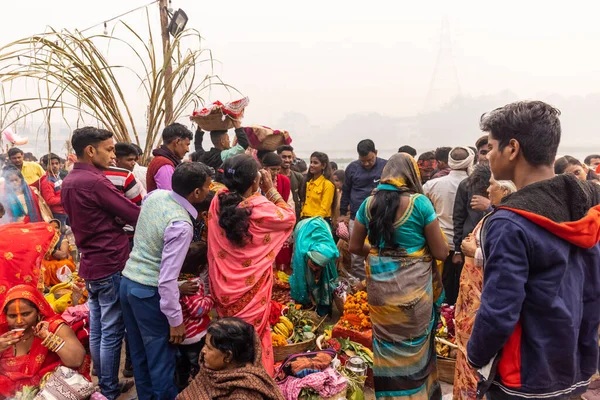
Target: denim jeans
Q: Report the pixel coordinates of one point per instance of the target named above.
(106, 332)
(148, 334)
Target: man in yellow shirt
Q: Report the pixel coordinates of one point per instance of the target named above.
(32, 172)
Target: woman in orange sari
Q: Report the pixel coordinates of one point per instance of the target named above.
(34, 341)
(469, 295)
(245, 232)
(58, 261)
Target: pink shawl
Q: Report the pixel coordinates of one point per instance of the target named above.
(241, 279)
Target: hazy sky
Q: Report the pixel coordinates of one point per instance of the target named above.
(328, 59)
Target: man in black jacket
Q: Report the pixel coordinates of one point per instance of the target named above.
(470, 205)
(222, 149)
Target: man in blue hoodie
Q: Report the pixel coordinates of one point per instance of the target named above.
(536, 332)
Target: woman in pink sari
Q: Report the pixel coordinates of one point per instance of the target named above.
(245, 232)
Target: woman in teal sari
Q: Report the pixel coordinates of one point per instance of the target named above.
(313, 264)
(403, 281)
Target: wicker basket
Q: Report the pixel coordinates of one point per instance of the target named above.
(280, 353)
(213, 121)
(446, 367)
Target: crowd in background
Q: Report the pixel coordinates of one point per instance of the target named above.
(181, 257)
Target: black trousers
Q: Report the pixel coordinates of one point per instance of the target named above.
(451, 279)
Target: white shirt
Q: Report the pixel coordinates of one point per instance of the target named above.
(140, 174)
(442, 193)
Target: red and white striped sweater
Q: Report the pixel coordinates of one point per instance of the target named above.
(195, 310)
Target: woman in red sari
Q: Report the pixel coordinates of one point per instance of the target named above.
(245, 232)
(34, 341)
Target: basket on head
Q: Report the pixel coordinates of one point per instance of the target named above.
(215, 121)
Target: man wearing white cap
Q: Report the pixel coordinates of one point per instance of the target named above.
(442, 193)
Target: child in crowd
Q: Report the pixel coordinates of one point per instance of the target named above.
(196, 302)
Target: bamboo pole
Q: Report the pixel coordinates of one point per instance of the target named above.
(166, 43)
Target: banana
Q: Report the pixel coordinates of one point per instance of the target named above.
(284, 329)
(277, 330)
(288, 324)
(369, 352)
(281, 329)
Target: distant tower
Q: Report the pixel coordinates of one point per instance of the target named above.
(444, 84)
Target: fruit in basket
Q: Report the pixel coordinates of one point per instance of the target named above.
(281, 329)
(278, 340)
(288, 324)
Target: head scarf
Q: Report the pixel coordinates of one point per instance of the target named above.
(22, 248)
(465, 164)
(13, 203)
(401, 173)
(313, 240)
(26, 292)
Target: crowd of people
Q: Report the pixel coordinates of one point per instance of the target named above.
(181, 260)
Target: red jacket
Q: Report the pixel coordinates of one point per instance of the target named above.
(50, 195)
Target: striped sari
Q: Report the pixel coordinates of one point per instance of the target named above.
(405, 292)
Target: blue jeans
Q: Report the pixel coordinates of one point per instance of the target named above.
(148, 334)
(106, 332)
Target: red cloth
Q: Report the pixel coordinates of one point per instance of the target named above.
(22, 249)
(29, 369)
(284, 187)
(153, 168)
(51, 196)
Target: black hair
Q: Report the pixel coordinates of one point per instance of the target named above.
(235, 336)
(196, 258)
(408, 149)
(260, 154)
(428, 155)
(204, 205)
(333, 165)
(476, 154)
(479, 180)
(189, 176)
(139, 149)
(340, 174)
(46, 158)
(271, 160)
(14, 151)
(123, 149)
(534, 124)
(176, 131)
(239, 174)
(482, 141)
(441, 154)
(299, 166)
(88, 136)
(2, 210)
(324, 160)
(30, 155)
(563, 163)
(285, 147)
(28, 302)
(215, 136)
(383, 216)
(365, 147)
(589, 158)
